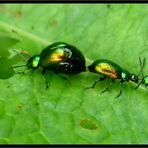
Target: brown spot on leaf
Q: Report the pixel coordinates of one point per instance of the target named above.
(16, 14)
(88, 124)
(1, 8)
(19, 107)
(54, 23)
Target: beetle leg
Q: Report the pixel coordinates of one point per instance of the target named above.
(24, 72)
(43, 71)
(94, 84)
(138, 85)
(107, 87)
(64, 78)
(120, 93)
(45, 79)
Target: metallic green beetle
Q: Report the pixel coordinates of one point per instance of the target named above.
(109, 69)
(59, 57)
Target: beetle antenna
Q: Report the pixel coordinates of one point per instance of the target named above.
(23, 52)
(17, 66)
(142, 64)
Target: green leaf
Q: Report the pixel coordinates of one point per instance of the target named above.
(6, 41)
(70, 114)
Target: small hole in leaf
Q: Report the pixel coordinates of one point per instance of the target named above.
(14, 31)
(88, 124)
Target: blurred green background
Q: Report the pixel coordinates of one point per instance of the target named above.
(69, 114)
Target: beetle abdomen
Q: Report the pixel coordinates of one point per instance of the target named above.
(62, 58)
(106, 69)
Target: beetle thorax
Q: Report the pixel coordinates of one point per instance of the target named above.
(145, 79)
(33, 62)
(123, 75)
(134, 78)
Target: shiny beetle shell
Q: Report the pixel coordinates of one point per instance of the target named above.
(106, 68)
(63, 58)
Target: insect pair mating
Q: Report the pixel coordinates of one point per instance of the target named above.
(63, 58)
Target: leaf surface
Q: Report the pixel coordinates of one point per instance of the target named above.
(70, 114)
